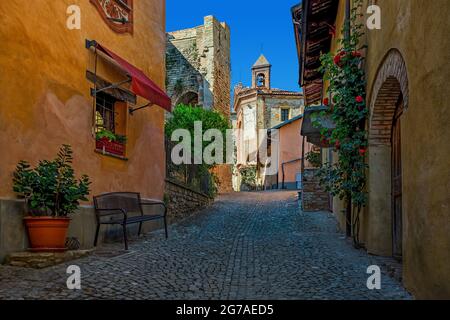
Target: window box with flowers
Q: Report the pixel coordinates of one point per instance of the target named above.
(109, 143)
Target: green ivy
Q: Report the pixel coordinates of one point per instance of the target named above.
(313, 157)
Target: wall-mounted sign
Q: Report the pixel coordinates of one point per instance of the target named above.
(118, 14)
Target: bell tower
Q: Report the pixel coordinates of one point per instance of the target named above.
(261, 73)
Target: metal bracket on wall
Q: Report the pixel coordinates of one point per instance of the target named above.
(112, 86)
(131, 110)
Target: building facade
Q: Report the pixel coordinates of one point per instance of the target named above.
(260, 107)
(199, 73)
(292, 149)
(60, 104)
(408, 188)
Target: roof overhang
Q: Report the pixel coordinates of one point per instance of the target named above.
(313, 28)
(311, 132)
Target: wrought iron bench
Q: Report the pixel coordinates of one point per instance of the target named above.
(114, 208)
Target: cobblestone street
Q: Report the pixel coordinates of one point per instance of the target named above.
(245, 246)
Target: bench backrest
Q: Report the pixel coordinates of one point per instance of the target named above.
(129, 201)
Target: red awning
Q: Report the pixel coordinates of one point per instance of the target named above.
(140, 84)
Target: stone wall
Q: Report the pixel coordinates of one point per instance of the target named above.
(183, 201)
(314, 198)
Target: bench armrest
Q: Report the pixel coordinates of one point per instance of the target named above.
(118, 210)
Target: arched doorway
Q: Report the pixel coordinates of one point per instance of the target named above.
(188, 98)
(388, 101)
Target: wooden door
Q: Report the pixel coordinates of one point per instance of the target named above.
(396, 169)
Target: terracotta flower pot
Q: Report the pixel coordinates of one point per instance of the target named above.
(47, 233)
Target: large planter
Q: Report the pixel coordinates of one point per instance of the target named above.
(47, 233)
(112, 147)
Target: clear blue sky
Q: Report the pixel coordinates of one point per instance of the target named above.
(253, 24)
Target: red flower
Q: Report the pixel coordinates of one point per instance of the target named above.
(324, 140)
(356, 54)
(337, 144)
(342, 53)
(362, 151)
(326, 102)
(337, 60)
(359, 99)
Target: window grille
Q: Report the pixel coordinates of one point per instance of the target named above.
(105, 115)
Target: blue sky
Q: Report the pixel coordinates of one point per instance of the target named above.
(254, 24)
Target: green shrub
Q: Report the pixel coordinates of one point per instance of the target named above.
(51, 188)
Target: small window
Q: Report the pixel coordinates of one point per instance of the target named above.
(284, 114)
(110, 125)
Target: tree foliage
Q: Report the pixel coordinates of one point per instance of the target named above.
(184, 117)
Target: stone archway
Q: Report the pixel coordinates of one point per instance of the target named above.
(389, 92)
(188, 98)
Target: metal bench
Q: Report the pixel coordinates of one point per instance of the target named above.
(114, 208)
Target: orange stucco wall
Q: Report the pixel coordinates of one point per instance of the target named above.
(45, 94)
(290, 148)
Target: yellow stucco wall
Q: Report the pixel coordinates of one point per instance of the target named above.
(419, 30)
(45, 94)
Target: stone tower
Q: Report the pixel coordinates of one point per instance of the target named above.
(198, 66)
(261, 73)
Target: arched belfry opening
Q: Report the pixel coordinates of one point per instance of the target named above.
(389, 100)
(260, 80)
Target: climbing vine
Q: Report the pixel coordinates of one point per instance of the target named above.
(346, 177)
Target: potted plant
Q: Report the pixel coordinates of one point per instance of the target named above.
(51, 194)
(107, 141)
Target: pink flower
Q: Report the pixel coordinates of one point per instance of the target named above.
(359, 99)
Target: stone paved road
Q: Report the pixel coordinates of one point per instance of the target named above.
(246, 246)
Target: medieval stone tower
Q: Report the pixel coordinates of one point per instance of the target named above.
(198, 65)
(198, 72)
